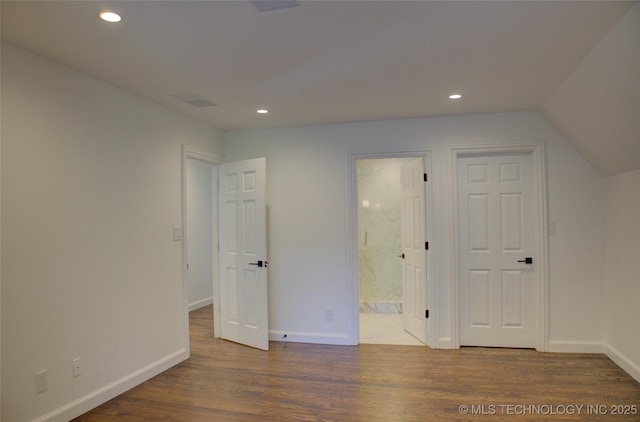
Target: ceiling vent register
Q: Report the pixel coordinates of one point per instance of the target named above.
(194, 100)
(268, 5)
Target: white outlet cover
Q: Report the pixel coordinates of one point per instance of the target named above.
(328, 314)
(177, 233)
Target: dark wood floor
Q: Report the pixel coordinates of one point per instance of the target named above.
(223, 381)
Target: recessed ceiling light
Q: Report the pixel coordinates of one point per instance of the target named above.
(111, 17)
(455, 96)
(262, 111)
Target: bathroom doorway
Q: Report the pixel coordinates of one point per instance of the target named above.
(383, 295)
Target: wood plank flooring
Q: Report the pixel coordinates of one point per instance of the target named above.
(223, 381)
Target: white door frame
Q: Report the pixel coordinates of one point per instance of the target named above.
(353, 324)
(189, 152)
(537, 152)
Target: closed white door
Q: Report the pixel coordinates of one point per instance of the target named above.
(414, 252)
(243, 253)
(496, 243)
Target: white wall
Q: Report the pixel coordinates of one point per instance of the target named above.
(622, 273)
(307, 184)
(91, 190)
(200, 231)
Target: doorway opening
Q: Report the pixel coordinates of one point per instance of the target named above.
(201, 183)
(199, 234)
(387, 291)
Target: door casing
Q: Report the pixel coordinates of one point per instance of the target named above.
(537, 151)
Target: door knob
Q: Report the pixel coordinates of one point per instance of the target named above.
(260, 263)
(401, 255)
(527, 260)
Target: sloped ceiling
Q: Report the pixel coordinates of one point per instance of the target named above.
(598, 106)
(340, 61)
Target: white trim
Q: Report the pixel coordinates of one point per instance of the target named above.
(200, 303)
(97, 397)
(560, 346)
(201, 154)
(352, 293)
(316, 338)
(537, 151)
(622, 361)
(446, 343)
(189, 152)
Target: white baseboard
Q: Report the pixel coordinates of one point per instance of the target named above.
(200, 303)
(316, 338)
(89, 401)
(444, 343)
(560, 346)
(630, 367)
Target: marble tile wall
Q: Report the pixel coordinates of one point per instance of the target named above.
(380, 307)
(380, 235)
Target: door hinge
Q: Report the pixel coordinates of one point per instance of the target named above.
(425, 177)
(426, 246)
(426, 313)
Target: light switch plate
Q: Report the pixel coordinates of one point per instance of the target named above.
(41, 382)
(77, 367)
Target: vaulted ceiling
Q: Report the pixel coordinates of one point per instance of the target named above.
(341, 61)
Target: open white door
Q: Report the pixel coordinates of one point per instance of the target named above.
(243, 253)
(414, 254)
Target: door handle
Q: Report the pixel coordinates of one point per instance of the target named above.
(260, 263)
(401, 255)
(527, 260)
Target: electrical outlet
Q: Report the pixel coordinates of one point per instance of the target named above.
(328, 314)
(177, 233)
(41, 382)
(77, 367)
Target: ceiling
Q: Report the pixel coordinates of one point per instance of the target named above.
(326, 61)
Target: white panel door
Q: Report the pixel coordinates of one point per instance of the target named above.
(496, 235)
(414, 249)
(243, 253)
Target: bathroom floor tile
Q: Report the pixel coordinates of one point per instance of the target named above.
(385, 329)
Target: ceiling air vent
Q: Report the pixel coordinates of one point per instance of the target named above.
(267, 5)
(194, 100)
